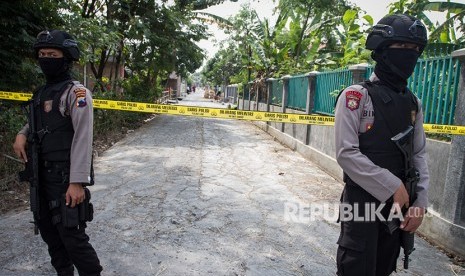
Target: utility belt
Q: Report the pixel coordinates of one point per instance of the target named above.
(51, 170)
(61, 165)
(348, 181)
(72, 217)
(391, 225)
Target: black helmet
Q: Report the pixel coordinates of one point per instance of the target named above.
(59, 40)
(397, 28)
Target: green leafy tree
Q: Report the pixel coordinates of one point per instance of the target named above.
(454, 23)
(297, 43)
(96, 25)
(162, 42)
(444, 37)
(224, 68)
(252, 42)
(20, 22)
(354, 36)
(147, 37)
(305, 22)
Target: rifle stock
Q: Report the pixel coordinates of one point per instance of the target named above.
(404, 142)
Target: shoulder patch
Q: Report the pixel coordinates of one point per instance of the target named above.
(80, 97)
(353, 99)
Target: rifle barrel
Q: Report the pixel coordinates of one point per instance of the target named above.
(13, 158)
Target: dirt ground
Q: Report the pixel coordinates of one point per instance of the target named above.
(13, 195)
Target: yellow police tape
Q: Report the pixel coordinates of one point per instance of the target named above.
(226, 113)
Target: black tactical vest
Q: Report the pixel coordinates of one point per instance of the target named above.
(55, 131)
(393, 113)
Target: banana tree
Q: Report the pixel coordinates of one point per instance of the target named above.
(455, 14)
(338, 41)
(305, 18)
(443, 37)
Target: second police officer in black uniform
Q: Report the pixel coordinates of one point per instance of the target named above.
(367, 116)
(64, 118)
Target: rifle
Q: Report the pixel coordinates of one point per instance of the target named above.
(404, 142)
(31, 171)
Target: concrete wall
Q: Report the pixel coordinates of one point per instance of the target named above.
(88, 78)
(445, 220)
(438, 155)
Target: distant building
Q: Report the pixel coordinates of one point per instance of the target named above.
(109, 72)
(174, 84)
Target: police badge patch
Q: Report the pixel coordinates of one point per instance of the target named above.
(353, 100)
(80, 97)
(413, 116)
(48, 106)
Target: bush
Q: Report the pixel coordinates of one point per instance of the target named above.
(109, 125)
(13, 118)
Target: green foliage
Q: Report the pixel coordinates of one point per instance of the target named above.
(109, 122)
(137, 90)
(202, 4)
(224, 68)
(150, 39)
(355, 29)
(321, 35)
(454, 23)
(306, 36)
(12, 118)
(447, 32)
(20, 22)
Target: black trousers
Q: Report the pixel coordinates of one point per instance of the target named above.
(366, 248)
(68, 247)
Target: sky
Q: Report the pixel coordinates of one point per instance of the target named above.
(376, 8)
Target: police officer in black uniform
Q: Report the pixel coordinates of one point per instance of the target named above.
(367, 116)
(64, 120)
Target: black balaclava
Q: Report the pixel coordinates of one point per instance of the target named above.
(394, 66)
(55, 69)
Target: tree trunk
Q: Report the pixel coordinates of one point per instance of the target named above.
(299, 44)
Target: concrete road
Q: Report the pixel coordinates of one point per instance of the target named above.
(193, 196)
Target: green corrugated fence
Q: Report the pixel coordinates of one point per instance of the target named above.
(435, 81)
(297, 97)
(328, 85)
(276, 91)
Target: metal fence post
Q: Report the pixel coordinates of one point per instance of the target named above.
(269, 87)
(285, 96)
(248, 89)
(311, 90)
(453, 202)
(257, 98)
(243, 97)
(358, 72)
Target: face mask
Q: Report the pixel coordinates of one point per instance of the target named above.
(53, 66)
(402, 61)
